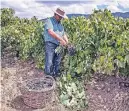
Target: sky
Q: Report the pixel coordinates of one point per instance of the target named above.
(43, 9)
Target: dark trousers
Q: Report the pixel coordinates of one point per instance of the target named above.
(52, 59)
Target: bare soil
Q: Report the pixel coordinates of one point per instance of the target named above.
(104, 93)
(108, 93)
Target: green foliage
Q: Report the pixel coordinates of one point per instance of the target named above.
(102, 43)
(23, 35)
(72, 93)
(79, 34)
(7, 16)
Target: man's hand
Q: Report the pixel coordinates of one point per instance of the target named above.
(66, 39)
(63, 42)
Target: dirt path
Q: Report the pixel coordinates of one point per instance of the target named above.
(108, 93)
(105, 93)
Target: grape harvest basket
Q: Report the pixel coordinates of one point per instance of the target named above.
(38, 92)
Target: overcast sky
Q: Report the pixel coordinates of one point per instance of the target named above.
(42, 9)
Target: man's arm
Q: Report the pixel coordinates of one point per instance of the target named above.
(49, 28)
(54, 35)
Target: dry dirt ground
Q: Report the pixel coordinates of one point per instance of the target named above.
(105, 93)
(108, 93)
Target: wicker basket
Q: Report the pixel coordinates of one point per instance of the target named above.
(38, 98)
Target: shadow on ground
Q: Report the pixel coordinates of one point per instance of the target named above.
(19, 104)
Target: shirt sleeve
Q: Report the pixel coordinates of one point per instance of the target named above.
(48, 24)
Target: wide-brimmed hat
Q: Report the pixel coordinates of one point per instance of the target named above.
(60, 12)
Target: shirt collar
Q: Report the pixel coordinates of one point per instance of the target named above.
(54, 19)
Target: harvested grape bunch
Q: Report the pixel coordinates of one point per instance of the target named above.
(71, 50)
(39, 85)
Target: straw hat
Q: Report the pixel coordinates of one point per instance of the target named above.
(60, 12)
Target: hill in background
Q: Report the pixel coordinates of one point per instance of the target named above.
(116, 14)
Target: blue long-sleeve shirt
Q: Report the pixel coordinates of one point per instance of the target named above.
(57, 27)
